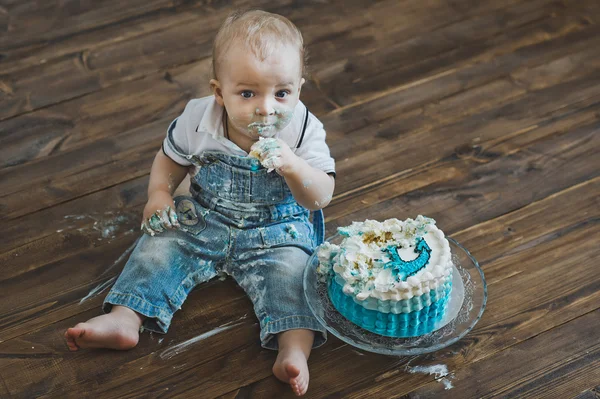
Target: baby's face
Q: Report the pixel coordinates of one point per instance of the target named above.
(259, 96)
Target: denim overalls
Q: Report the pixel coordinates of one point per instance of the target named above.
(239, 220)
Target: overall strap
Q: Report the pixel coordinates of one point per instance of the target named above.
(302, 129)
(318, 221)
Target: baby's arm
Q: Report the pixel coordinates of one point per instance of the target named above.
(311, 187)
(165, 177)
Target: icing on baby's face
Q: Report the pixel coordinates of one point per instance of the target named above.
(282, 118)
(259, 95)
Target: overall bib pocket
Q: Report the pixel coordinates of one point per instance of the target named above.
(190, 215)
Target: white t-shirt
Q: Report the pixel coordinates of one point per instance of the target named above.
(200, 128)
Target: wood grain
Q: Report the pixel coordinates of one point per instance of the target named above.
(484, 115)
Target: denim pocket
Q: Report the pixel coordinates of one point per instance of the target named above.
(298, 233)
(190, 215)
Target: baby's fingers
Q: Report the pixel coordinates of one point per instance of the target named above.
(160, 221)
(271, 160)
(145, 227)
(168, 218)
(172, 215)
(156, 223)
(164, 218)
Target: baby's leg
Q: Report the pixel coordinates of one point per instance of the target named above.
(118, 329)
(291, 365)
(272, 278)
(156, 280)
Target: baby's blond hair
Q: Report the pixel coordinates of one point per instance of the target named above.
(260, 31)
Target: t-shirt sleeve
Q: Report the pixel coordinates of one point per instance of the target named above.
(313, 148)
(177, 144)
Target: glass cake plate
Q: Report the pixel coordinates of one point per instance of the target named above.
(464, 309)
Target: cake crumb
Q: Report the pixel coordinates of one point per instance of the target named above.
(291, 229)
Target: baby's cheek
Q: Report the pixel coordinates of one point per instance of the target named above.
(239, 122)
(284, 117)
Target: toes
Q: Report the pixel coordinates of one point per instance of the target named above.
(304, 388)
(73, 347)
(299, 390)
(299, 385)
(296, 390)
(70, 336)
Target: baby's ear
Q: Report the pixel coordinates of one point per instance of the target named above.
(302, 81)
(215, 86)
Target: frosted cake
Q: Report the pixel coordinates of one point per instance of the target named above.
(392, 278)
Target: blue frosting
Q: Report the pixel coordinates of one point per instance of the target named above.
(402, 269)
(411, 324)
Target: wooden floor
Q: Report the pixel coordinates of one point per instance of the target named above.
(482, 114)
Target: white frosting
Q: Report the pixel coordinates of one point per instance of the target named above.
(359, 260)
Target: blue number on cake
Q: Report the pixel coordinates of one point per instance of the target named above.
(402, 269)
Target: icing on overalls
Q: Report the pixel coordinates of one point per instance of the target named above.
(239, 220)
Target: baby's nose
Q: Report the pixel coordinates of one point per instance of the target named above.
(265, 109)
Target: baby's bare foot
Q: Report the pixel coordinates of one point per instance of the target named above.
(116, 330)
(291, 367)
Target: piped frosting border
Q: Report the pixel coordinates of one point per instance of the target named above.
(359, 262)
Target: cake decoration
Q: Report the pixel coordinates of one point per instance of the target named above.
(402, 269)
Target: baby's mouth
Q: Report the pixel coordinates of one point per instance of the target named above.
(260, 124)
(263, 129)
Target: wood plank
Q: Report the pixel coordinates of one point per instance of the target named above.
(39, 357)
(68, 124)
(74, 297)
(518, 231)
(569, 367)
(445, 169)
(572, 352)
(569, 301)
(398, 151)
(88, 231)
(105, 114)
(64, 287)
(416, 94)
(98, 35)
(361, 76)
(92, 174)
(477, 192)
(18, 58)
(110, 112)
(89, 70)
(134, 56)
(77, 218)
(32, 24)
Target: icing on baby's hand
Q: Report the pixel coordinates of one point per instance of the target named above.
(273, 154)
(160, 221)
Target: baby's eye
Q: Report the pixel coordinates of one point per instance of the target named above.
(247, 94)
(282, 93)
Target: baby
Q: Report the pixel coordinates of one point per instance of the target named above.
(238, 217)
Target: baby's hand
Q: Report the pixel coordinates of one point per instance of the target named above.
(159, 214)
(274, 154)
